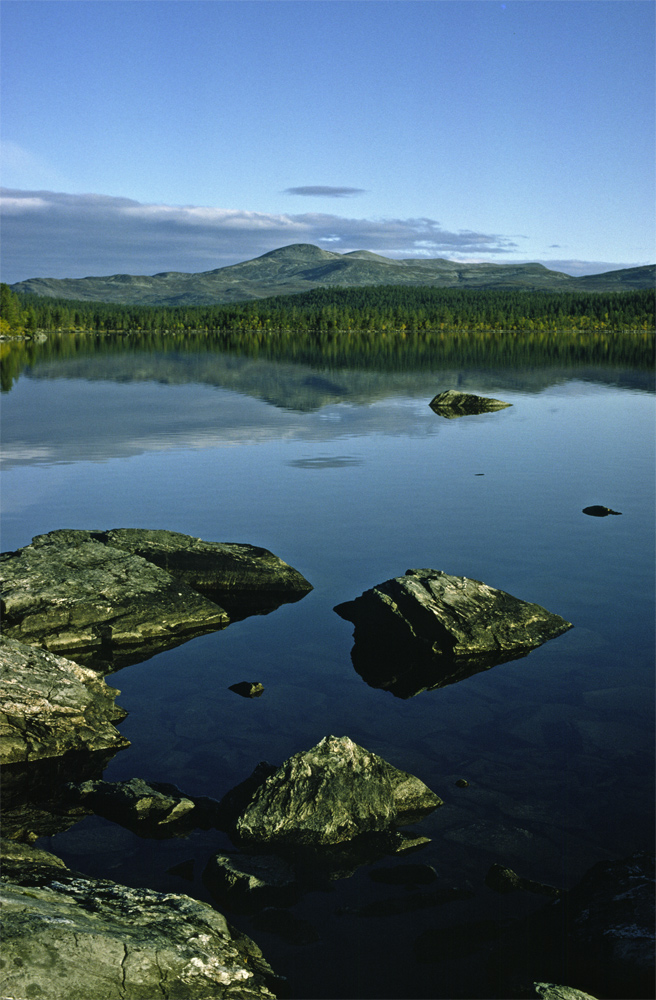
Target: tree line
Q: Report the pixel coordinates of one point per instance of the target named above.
(330, 314)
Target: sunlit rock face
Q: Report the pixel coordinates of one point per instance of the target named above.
(67, 935)
(427, 629)
(50, 706)
(331, 794)
(452, 404)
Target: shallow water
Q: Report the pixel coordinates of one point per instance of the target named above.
(350, 477)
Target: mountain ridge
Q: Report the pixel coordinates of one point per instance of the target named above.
(300, 267)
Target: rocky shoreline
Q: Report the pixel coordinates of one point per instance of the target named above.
(79, 605)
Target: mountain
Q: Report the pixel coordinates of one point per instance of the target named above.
(302, 266)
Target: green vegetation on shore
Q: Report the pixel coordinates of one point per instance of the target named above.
(338, 313)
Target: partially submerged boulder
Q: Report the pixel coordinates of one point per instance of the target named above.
(452, 404)
(331, 794)
(135, 804)
(151, 809)
(249, 881)
(66, 935)
(597, 510)
(50, 706)
(458, 625)
(118, 597)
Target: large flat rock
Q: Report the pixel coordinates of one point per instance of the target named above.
(72, 594)
(230, 571)
(50, 706)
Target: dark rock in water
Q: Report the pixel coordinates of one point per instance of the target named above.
(134, 804)
(506, 880)
(34, 802)
(452, 404)
(243, 579)
(331, 794)
(157, 809)
(596, 510)
(248, 689)
(462, 783)
(110, 598)
(247, 881)
(428, 629)
(50, 706)
(599, 935)
(67, 935)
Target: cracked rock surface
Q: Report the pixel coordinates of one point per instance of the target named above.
(85, 938)
(50, 706)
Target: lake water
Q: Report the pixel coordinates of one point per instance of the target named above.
(350, 477)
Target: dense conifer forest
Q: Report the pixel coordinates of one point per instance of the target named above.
(336, 313)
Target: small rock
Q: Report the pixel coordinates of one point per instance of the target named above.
(452, 404)
(462, 783)
(251, 880)
(506, 880)
(247, 689)
(598, 511)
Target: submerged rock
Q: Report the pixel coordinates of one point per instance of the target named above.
(505, 880)
(134, 804)
(50, 706)
(155, 809)
(427, 629)
(246, 881)
(452, 404)
(596, 510)
(66, 935)
(599, 935)
(331, 794)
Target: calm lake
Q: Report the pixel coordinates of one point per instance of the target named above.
(350, 477)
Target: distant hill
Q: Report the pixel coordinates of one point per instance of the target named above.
(302, 266)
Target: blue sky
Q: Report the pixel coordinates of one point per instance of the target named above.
(144, 136)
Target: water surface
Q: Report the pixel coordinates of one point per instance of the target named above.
(349, 476)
